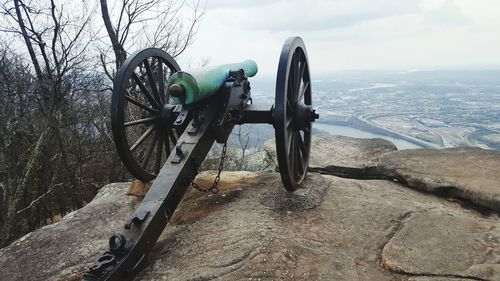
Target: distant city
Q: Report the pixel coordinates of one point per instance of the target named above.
(413, 109)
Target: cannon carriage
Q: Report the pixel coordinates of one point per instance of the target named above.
(165, 121)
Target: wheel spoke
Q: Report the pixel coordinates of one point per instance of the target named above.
(140, 121)
(303, 91)
(300, 70)
(145, 91)
(167, 74)
(142, 138)
(288, 144)
(139, 104)
(289, 107)
(296, 77)
(291, 152)
(172, 137)
(300, 143)
(166, 143)
(299, 162)
(161, 81)
(159, 152)
(292, 78)
(151, 146)
(289, 94)
(288, 123)
(152, 82)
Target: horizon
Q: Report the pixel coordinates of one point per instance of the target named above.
(354, 73)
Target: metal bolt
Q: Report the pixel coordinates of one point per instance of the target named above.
(117, 242)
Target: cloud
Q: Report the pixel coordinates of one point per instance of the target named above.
(448, 13)
(240, 4)
(354, 34)
(298, 15)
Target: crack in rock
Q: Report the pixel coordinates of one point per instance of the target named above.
(230, 267)
(394, 229)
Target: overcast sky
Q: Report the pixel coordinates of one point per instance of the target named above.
(352, 34)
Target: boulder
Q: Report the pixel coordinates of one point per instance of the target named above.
(342, 156)
(468, 173)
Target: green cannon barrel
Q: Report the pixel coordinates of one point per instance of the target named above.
(195, 85)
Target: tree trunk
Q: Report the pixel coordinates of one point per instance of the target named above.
(27, 184)
(118, 49)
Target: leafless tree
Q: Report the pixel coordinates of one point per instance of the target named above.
(56, 44)
(137, 24)
(243, 154)
(55, 143)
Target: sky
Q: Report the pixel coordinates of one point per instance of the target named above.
(351, 34)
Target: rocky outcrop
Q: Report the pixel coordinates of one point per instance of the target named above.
(469, 173)
(331, 229)
(342, 156)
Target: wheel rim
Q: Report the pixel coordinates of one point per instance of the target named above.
(293, 129)
(140, 106)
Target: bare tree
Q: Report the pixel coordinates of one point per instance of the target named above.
(243, 153)
(137, 24)
(15, 129)
(55, 43)
(54, 125)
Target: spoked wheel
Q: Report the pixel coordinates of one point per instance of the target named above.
(141, 113)
(293, 113)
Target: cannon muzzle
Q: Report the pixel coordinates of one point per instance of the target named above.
(178, 92)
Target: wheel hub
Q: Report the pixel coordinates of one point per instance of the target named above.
(303, 115)
(166, 115)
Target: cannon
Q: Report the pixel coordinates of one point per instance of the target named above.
(164, 122)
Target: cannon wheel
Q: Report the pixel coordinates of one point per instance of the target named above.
(292, 123)
(140, 111)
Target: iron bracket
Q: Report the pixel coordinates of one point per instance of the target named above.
(197, 122)
(137, 219)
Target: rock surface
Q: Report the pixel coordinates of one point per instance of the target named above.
(342, 156)
(470, 173)
(62, 251)
(472, 244)
(332, 229)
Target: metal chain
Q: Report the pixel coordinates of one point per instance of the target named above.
(214, 189)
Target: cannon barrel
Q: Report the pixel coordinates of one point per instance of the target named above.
(192, 86)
